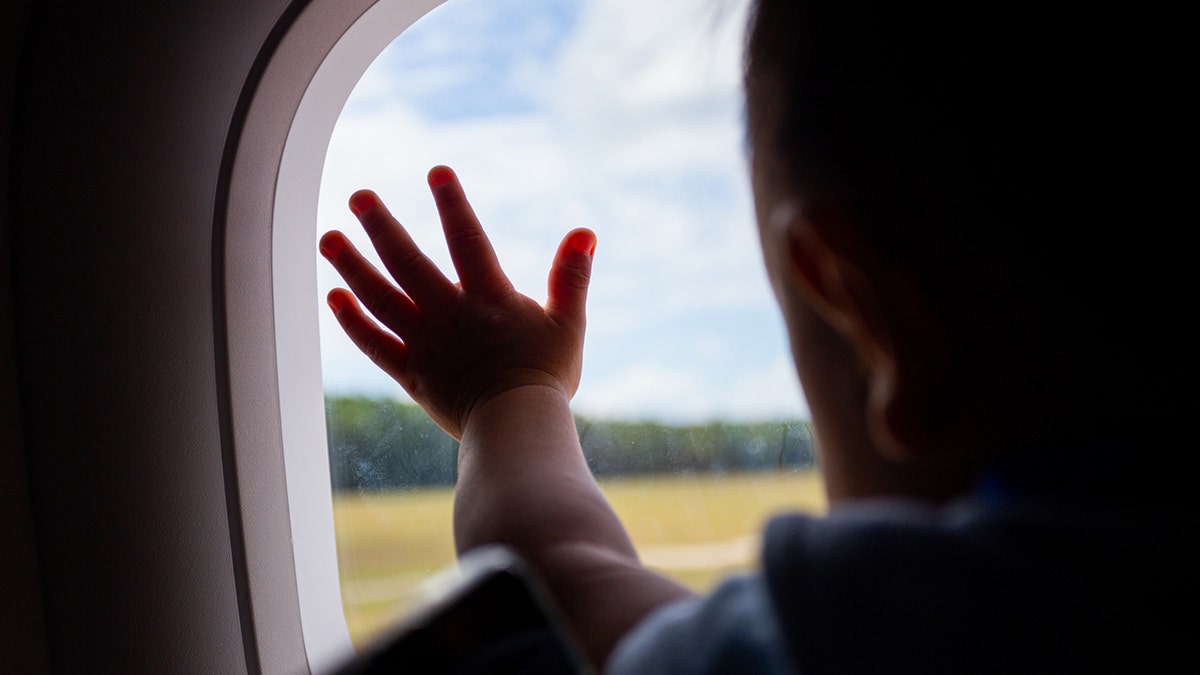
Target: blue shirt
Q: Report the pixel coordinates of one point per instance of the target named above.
(980, 585)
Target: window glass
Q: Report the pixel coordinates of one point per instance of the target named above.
(625, 117)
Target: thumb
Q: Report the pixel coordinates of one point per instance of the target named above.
(569, 276)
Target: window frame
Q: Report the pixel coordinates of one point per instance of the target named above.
(274, 429)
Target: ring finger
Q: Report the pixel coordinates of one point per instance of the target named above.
(392, 306)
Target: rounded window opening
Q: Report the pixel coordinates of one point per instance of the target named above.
(623, 117)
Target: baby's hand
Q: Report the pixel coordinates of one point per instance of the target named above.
(453, 346)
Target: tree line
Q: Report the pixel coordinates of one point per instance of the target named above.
(381, 443)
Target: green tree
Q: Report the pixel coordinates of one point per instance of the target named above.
(379, 444)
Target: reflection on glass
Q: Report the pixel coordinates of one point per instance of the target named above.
(615, 115)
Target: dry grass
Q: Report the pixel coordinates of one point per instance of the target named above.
(695, 529)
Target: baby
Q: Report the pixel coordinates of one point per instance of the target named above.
(986, 344)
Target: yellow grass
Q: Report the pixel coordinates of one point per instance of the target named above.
(695, 529)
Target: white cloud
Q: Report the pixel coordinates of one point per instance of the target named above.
(652, 390)
(630, 125)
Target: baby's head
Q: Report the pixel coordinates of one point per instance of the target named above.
(933, 204)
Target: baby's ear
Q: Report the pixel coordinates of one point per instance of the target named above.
(876, 305)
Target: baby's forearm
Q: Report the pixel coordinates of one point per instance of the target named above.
(523, 482)
(523, 479)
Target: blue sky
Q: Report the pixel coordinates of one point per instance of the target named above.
(619, 115)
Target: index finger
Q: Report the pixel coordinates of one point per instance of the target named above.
(470, 249)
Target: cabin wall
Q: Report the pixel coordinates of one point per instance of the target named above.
(109, 390)
(22, 624)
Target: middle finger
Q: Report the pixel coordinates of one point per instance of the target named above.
(411, 268)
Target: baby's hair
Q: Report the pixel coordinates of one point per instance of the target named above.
(932, 127)
(990, 149)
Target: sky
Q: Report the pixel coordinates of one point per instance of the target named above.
(623, 116)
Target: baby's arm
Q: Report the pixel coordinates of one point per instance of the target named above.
(496, 371)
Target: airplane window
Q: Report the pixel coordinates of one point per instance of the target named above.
(617, 115)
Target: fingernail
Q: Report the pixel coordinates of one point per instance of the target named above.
(335, 301)
(440, 175)
(584, 243)
(362, 201)
(331, 246)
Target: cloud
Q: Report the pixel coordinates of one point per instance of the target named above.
(619, 115)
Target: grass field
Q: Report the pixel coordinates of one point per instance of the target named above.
(695, 529)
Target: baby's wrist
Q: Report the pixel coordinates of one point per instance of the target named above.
(520, 437)
(510, 392)
(527, 405)
(518, 398)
